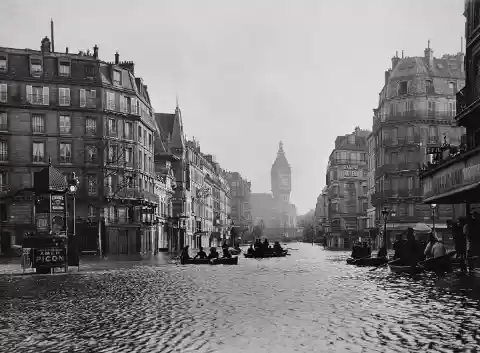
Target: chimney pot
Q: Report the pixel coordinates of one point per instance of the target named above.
(66, 50)
(95, 51)
(117, 58)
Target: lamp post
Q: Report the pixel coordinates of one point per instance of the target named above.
(73, 183)
(385, 213)
(434, 208)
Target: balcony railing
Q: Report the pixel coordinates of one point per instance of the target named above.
(38, 99)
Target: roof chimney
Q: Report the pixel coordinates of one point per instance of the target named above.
(429, 55)
(45, 45)
(117, 58)
(95, 51)
(51, 35)
(387, 76)
(395, 60)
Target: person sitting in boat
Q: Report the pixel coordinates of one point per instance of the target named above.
(382, 252)
(412, 252)
(397, 246)
(185, 254)
(200, 254)
(213, 254)
(226, 254)
(257, 244)
(224, 245)
(277, 248)
(434, 248)
(251, 250)
(266, 244)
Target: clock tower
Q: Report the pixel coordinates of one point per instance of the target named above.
(281, 177)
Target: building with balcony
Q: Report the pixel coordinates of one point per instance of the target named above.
(415, 115)
(241, 190)
(321, 212)
(453, 175)
(165, 185)
(346, 182)
(86, 116)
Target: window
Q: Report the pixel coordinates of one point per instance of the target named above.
(91, 154)
(429, 87)
(110, 96)
(3, 151)
(129, 155)
(3, 62)
(129, 182)
(125, 104)
(91, 211)
(139, 134)
(150, 141)
(351, 139)
(145, 165)
(394, 158)
(411, 209)
(3, 93)
(109, 183)
(65, 124)
(92, 185)
(36, 67)
(140, 160)
(402, 88)
(65, 152)
(3, 121)
(39, 152)
(38, 124)
(432, 134)
(88, 98)
(113, 154)
(410, 106)
(128, 131)
(64, 96)
(410, 183)
(3, 180)
(144, 137)
(89, 71)
(38, 95)
(90, 125)
(452, 86)
(64, 68)
(452, 109)
(117, 77)
(431, 108)
(112, 127)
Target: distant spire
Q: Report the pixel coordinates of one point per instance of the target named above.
(176, 101)
(428, 44)
(280, 147)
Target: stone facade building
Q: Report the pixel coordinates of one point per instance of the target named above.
(241, 190)
(415, 116)
(87, 116)
(346, 181)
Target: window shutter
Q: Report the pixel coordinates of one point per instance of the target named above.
(46, 97)
(122, 104)
(83, 98)
(29, 93)
(93, 93)
(67, 96)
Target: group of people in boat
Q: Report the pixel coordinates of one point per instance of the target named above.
(361, 250)
(259, 249)
(201, 254)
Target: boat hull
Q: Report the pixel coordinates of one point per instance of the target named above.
(371, 261)
(265, 256)
(235, 251)
(220, 261)
(398, 268)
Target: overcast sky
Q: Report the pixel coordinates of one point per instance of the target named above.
(251, 73)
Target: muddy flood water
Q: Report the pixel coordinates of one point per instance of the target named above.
(309, 302)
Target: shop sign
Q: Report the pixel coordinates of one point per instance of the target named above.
(471, 173)
(53, 257)
(351, 173)
(448, 179)
(58, 203)
(351, 167)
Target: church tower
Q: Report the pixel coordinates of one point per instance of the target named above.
(281, 177)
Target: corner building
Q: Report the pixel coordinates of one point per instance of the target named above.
(454, 177)
(346, 182)
(86, 116)
(415, 115)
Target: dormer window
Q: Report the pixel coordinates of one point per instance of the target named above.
(64, 68)
(402, 88)
(117, 77)
(429, 87)
(452, 86)
(36, 67)
(3, 62)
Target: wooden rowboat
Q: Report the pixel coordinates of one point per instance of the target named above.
(219, 261)
(266, 255)
(371, 261)
(395, 266)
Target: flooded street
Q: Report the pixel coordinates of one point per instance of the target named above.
(308, 302)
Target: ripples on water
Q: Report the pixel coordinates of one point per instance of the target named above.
(308, 302)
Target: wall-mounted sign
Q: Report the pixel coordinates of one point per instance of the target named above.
(434, 150)
(58, 203)
(351, 167)
(53, 257)
(351, 173)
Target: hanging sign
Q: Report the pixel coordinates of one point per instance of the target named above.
(58, 203)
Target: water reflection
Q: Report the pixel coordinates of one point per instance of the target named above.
(308, 302)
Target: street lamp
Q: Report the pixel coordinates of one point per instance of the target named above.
(385, 213)
(73, 183)
(434, 208)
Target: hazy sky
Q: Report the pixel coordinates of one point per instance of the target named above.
(251, 73)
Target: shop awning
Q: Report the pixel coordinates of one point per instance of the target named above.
(455, 196)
